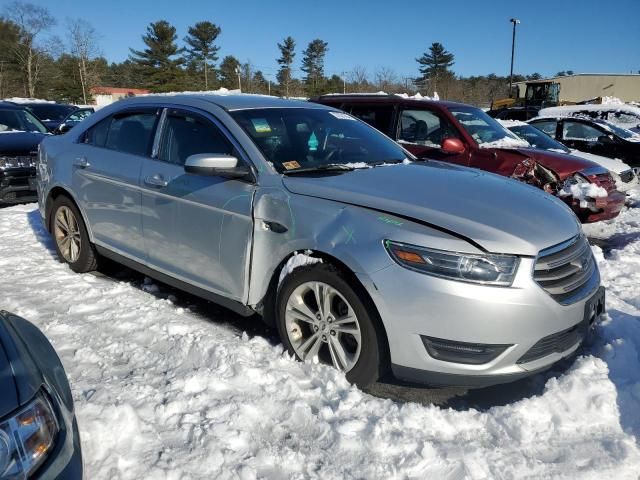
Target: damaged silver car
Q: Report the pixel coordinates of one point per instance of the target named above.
(361, 255)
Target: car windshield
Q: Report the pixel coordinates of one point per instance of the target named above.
(538, 139)
(619, 131)
(486, 131)
(50, 111)
(311, 138)
(19, 120)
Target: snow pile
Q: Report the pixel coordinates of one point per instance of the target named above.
(506, 142)
(220, 91)
(297, 260)
(570, 110)
(583, 192)
(166, 389)
(418, 96)
(611, 100)
(511, 123)
(27, 100)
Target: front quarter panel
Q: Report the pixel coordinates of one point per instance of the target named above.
(353, 235)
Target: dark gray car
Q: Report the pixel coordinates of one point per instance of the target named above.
(38, 431)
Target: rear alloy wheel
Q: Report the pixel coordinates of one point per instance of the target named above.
(71, 237)
(320, 315)
(67, 234)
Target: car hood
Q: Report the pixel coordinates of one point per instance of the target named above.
(499, 214)
(561, 163)
(611, 164)
(9, 396)
(20, 143)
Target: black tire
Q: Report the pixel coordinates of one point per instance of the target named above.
(87, 259)
(373, 360)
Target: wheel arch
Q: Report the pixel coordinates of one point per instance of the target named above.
(53, 194)
(267, 307)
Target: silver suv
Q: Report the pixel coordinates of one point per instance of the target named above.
(359, 254)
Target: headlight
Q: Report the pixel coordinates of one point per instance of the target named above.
(486, 269)
(26, 438)
(17, 162)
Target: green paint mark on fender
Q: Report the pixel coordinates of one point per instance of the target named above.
(390, 221)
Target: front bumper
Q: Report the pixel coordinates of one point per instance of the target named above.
(413, 305)
(614, 203)
(18, 185)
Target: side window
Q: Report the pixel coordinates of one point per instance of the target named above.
(579, 131)
(78, 115)
(97, 135)
(187, 134)
(378, 117)
(547, 126)
(132, 132)
(424, 127)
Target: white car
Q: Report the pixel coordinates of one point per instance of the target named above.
(622, 173)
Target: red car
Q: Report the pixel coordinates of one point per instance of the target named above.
(462, 134)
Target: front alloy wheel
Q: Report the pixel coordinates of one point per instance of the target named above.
(71, 237)
(321, 322)
(323, 312)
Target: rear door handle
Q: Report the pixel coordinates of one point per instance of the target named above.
(81, 162)
(156, 181)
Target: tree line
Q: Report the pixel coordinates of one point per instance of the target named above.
(65, 69)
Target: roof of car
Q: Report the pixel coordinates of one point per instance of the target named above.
(385, 98)
(10, 106)
(233, 102)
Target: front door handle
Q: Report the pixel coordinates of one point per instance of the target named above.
(81, 162)
(156, 181)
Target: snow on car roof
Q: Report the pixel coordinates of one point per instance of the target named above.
(568, 110)
(511, 123)
(27, 100)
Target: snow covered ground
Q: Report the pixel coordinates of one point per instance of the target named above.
(168, 387)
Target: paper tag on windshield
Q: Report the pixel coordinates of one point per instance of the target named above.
(261, 125)
(290, 165)
(342, 116)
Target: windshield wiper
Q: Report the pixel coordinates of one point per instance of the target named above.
(330, 167)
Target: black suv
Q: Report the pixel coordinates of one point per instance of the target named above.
(51, 114)
(20, 134)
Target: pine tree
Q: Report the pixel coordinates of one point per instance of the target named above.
(160, 59)
(313, 64)
(287, 54)
(229, 72)
(201, 47)
(435, 64)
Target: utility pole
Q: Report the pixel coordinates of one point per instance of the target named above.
(344, 82)
(515, 22)
(239, 83)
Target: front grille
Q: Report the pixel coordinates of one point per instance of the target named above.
(565, 271)
(17, 161)
(626, 176)
(556, 343)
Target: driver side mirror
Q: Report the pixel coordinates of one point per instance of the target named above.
(606, 139)
(452, 146)
(62, 128)
(215, 165)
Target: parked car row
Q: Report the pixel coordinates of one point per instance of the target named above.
(22, 128)
(364, 255)
(467, 136)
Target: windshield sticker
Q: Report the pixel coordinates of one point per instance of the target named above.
(291, 165)
(313, 142)
(342, 116)
(261, 125)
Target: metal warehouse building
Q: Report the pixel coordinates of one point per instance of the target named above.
(587, 86)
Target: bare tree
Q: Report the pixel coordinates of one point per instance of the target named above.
(386, 79)
(358, 77)
(83, 43)
(32, 20)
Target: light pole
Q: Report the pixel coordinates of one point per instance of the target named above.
(515, 22)
(238, 73)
